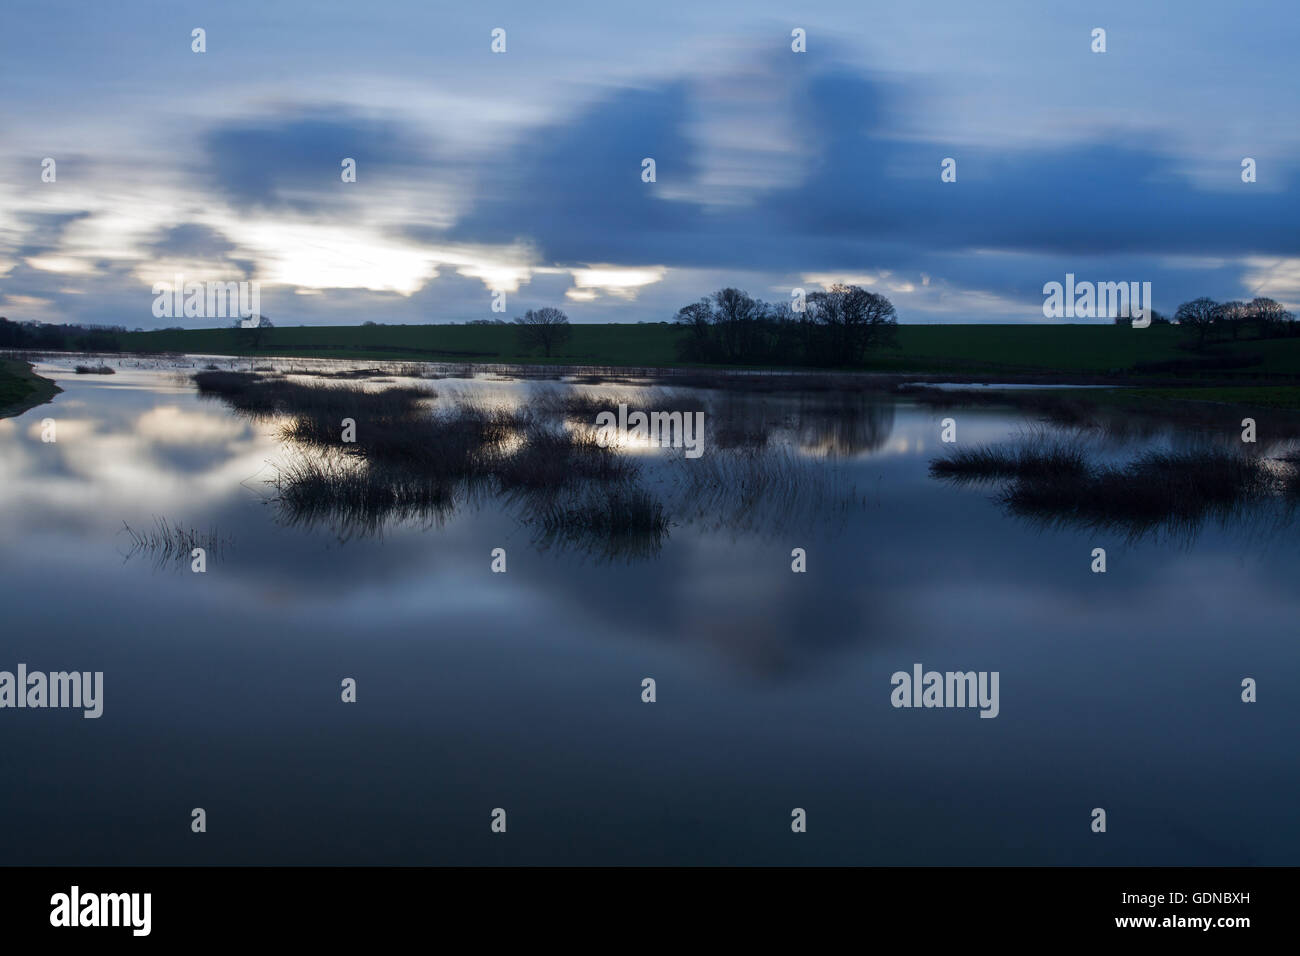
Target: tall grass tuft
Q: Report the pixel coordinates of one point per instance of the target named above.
(1026, 460)
(1178, 490)
(359, 498)
(620, 523)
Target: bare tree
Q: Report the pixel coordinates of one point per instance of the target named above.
(855, 319)
(1268, 315)
(250, 334)
(1231, 315)
(698, 318)
(1197, 314)
(737, 313)
(546, 327)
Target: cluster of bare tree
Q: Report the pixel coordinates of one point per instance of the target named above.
(836, 327)
(1266, 317)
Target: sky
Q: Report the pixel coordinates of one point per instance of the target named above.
(522, 172)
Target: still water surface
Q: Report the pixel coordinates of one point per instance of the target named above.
(523, 690)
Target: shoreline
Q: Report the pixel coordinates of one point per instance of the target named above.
(987, 376)
(1260, 392)
(21, 389)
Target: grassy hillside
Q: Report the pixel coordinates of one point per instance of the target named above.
(590, 344)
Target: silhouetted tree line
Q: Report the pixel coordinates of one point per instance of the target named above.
(1267, 318)
(59, 338)
(836, 327)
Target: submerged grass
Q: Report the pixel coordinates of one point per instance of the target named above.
(1291, 482)
(402, 458)
(730, 487)
(549, 458)
(172, 542)
(624, 522)
(1055, 483)
(262, 397)
(462, 442)
(1166, 490)
(585, 406)
(620, 511)
(1155, 487)
(355, 497)
(1037, 460)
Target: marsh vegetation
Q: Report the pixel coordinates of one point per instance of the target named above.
(170, 542)
(365, 457)
(1163, 490)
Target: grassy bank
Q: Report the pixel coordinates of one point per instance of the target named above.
(1260, 396)
(21, 388)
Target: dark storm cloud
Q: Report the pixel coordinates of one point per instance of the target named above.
(292, 161)
(575, 188)
(867, 197)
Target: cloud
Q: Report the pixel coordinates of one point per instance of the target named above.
(573, 186)
(45, 231)
(291, 162)
(865, 200)
(772, 170)
(192, 240)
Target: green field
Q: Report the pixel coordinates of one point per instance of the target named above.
(1089, 350)
(590, 344)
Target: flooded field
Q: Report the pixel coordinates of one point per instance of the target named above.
(499, 578)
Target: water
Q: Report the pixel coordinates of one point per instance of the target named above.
(523, 690)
